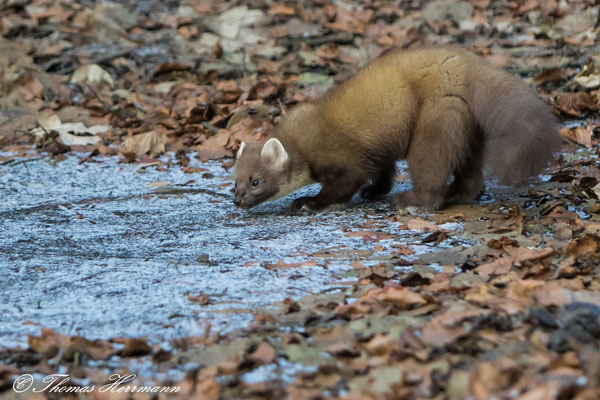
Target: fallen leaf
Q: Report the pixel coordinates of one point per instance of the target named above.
(136, 347)
(159, 184)
(95, 349)
(551, 75)
(423, 225)
(399, 296)
(151, 143)
(282, 264)
(93, 75)
(578, 135)
(264, 354)
(450, 325)
(371, 236)
(281, 9)
(71, 134)
(201, 299)
(586, 246)
(48, 343)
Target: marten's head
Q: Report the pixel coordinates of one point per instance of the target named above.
(261, 173)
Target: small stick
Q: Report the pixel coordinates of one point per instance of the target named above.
(16, 162)
(538, 220)
(106, 106)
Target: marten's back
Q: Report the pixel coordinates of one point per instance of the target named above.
(371, 117)
(378, 106)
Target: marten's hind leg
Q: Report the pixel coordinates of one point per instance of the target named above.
(439, 145)
(468, 178)
(381, 184)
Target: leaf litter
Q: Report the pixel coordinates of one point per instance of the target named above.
(499, 299)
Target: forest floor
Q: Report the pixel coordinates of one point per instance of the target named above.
(121, 251)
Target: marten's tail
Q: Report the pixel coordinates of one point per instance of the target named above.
(520, 132)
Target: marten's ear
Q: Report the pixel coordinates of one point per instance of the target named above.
(274, 152)
(239, 153)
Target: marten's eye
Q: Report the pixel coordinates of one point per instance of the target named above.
(255, 183)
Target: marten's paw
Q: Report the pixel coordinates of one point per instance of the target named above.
(372, 192)
(412, 199)
(403, 200)
(306, 203)
(336, 207)
(310, 204)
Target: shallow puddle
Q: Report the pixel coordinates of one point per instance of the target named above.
(103, 250)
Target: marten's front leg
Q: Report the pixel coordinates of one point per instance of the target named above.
(382, 183)
(337, 189)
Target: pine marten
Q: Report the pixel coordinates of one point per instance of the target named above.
(444, 110)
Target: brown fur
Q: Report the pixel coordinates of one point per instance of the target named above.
(444, 110)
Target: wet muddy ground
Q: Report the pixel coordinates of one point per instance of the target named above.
(107, 249)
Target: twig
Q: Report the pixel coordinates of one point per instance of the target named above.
(47, 136)
(45, 130)
(106, 106)
(339, 37)
(568, 84)
(281, 107)
(300, 289)
(171, 106)
(22, 161)
(331, 289)
(499, 33)
(538, 220)
(71, 68)
(244, 68)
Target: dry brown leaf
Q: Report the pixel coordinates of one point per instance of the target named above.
(96, 349)
(497, 267)
(201, 299)
(423, 225)
(250, 130)
(48, 342)
(551, 75)
(521, 254)
(586, 246)
(517, 255)
(329, 51)
(281, 9)
(575, 104)
(93, 75)
(214, 147)
(402, 250)
(381, 344)
(371, 236)
(136, 347)
(449, 326)
(264, 354)
(282, 264)
(151, 143)
(580, 135)
(399, 296)
(159, 184)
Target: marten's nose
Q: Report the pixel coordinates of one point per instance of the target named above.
(237, 201)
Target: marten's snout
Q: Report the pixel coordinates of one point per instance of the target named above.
(238, 196)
